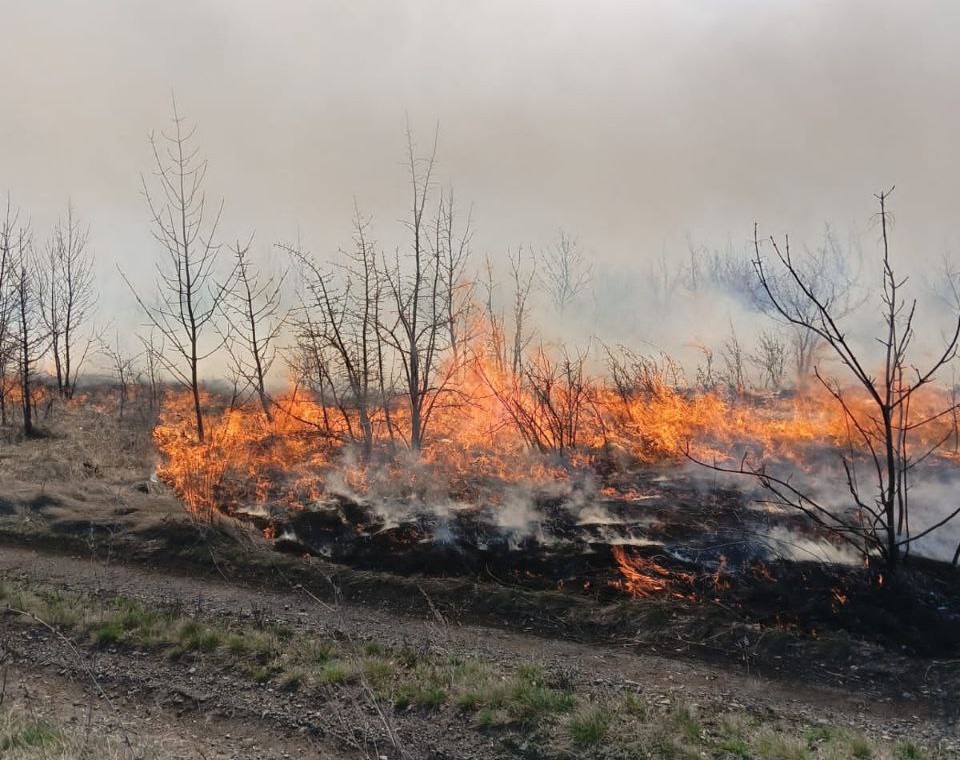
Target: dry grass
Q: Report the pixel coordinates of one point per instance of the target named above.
(26, 736)
(526, 704)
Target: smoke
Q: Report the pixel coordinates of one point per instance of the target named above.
(631, 125)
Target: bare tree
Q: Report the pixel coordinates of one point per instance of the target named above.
(770, 358)
(254, 311)
(829, 272)
(31, 339)
(418, 332)
(566, 273)
(879, 523)
(522, 286)
(123, 366)
(734, 361)
(70, 296)
(548, 401)
(339, 332)
(189, 298)
(8, 319)
(453, 246)
(152, 351)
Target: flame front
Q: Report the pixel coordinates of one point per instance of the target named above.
(490, 431)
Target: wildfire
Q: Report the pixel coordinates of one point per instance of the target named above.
(489, 432)
(646, 577)
(476, 446)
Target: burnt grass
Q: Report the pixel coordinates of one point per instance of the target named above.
(705, 550)
(728, 600)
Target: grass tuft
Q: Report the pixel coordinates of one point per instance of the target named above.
(36, 734)
(588, 728)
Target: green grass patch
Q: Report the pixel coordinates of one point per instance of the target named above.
(588, 728)
(908, 751)
(335, 673)
(735, 748)
(35, 734)
(529, 703)
(107, 633)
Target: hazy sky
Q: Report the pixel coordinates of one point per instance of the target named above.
(630, 123)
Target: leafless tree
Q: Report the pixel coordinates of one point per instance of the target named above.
(123, 366)
(507, 352)
(734, 364)
(32, 341)
(340, 336)
(879, 523)
(188, 297)
(152, 350)
(495, 347)
(830, 269)
(548, 401)
(254, 310)
(636, 375)
(566, 273)
(70, 296)
(453, 245)
(417, 331)
(770, 358)
(707, 376)
(830, 274)
(522, 280)
(8, 319)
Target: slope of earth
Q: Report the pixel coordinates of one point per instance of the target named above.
(380, 684)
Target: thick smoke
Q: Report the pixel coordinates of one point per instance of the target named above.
(632, 125)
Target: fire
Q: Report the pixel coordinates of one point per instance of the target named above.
(492, 429)
(839, 599)
(477, 445)
(646, 577)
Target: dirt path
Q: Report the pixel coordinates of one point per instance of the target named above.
(204, 704)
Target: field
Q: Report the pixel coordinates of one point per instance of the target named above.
(133, 629)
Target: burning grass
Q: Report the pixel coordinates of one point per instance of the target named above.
(478, 449)
(512, 473)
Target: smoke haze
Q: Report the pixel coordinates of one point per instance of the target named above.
(631, 124)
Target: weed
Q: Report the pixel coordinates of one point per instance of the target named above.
(908, 751)
(774, 746)
(430, 697)
(34, 735)
(107, 633)
(860, 748)
(293, 679)
(529, 704)
(735, 748)
(635, 706)
(197, 638)
(487, 719)
(334, 672)
(588, 728)
(469, 701)
(373, 649)
(685, 719)
(317, 651)
(378, 670)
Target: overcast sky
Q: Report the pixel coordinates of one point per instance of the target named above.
(630, 123)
